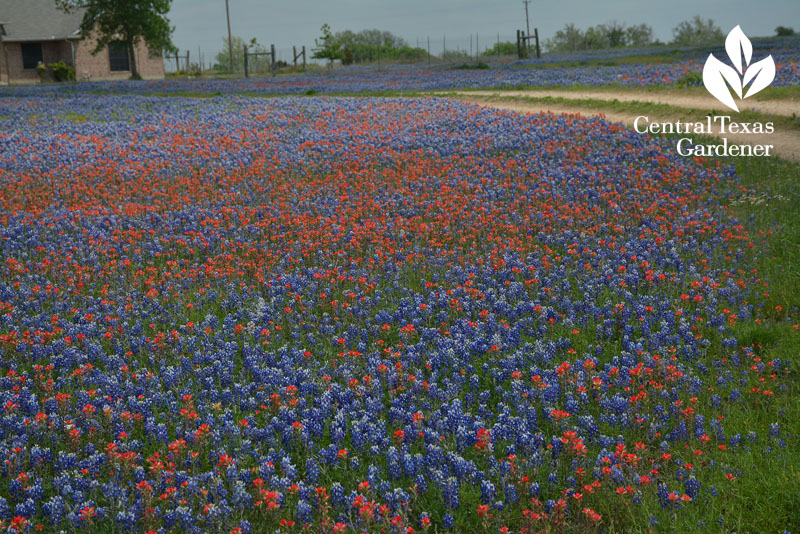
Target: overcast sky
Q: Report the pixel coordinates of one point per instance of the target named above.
(201, 23)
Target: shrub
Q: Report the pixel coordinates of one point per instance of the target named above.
(469, 66)
(347, 56)
(690, 79)
(41, 70)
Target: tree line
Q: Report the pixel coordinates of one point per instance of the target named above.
(134, 21)
(363, 47)
(616, 34)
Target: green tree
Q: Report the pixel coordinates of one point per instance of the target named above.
(783, 31)
(696, 31)
(639, 35)
(258, 63)
(368, 45)
(127, 21)
(595, 38)
(614, 33)
(222, 59)
(502, 49)
(327, 46)
(569, 39)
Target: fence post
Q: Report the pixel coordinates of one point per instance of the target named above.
(272, 53)
(304, 57)
(519, 46)
(187, 62)
(294, 54)
(536, 35)
(244, 49)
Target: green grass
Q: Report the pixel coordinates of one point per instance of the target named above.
(778, 215)
(766, 495)
(76, 117)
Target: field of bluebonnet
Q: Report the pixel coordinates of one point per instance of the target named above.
(237, 314)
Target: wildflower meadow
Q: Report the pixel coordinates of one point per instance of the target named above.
(255, 315)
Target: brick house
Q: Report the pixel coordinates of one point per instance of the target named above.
(33, 31)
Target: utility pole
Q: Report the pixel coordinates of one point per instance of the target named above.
(230, 40)
(527, 25)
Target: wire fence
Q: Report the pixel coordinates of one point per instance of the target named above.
(428, 49)
(474, 45)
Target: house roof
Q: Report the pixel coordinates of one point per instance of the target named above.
(38, 20)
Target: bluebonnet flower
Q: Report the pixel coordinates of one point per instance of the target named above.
(448, 521)
(692, 486)
(487, 491)
(450, 493)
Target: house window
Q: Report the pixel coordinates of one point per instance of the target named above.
(31, 55)
(118, 55)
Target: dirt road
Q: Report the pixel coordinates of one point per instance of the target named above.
(674, 97)
(786, 141)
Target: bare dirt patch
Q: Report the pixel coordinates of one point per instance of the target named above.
(786, 143)
(676, 98)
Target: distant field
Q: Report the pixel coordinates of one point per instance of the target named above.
(623, 69)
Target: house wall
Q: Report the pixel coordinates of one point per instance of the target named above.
(87, 66)
(98, 67)
(3, 66)
(52, 52)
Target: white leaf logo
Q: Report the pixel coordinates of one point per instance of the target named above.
(715, 74)
(761, 73)
(737, 44)
(718, 77)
